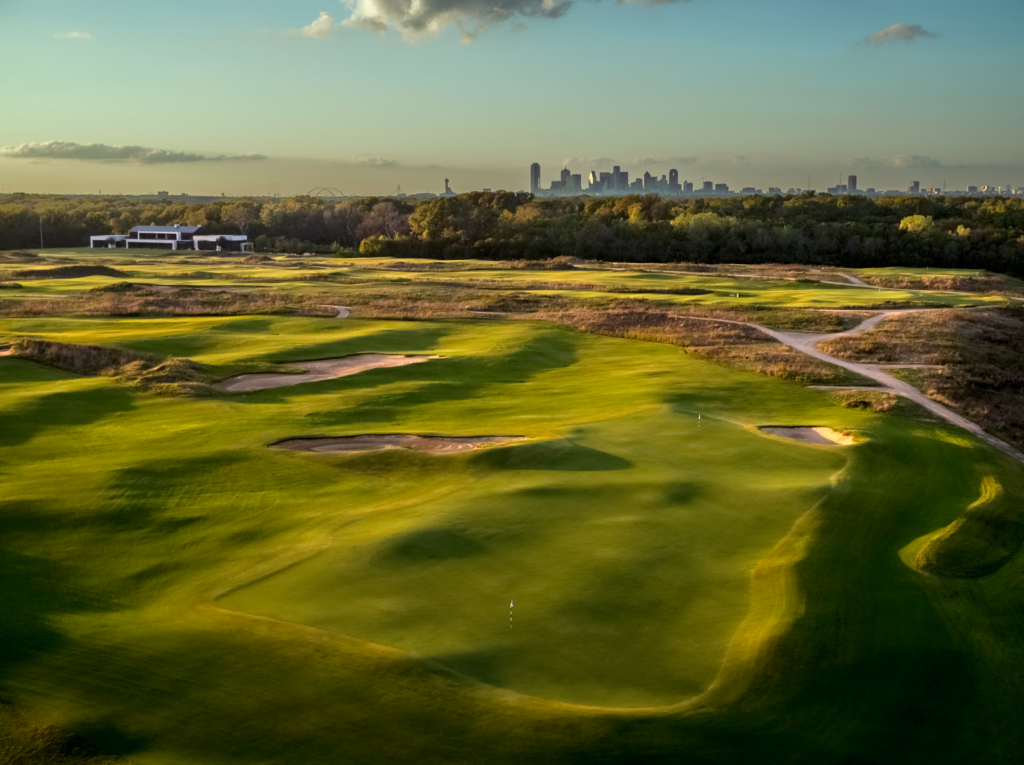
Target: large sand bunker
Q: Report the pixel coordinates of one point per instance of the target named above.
(316, 371)
(817, 435)
(378, 441)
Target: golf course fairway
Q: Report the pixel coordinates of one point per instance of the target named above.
(687, 588)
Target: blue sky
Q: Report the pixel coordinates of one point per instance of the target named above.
(745, 92)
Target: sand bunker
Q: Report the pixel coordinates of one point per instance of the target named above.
(819, 435)
(316, 371)
(378, 441)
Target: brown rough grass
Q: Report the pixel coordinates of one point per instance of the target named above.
(182, 303)
(979, 354)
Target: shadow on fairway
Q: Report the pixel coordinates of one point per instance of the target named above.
(455, 379)
(35, 591)
(425, 545)
(63, 409)
(405, 341)
(561, 454)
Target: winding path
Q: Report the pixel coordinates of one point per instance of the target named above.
(807, 343)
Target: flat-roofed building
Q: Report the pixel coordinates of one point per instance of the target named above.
(163, 237)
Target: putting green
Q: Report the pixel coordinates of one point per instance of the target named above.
(628, 557)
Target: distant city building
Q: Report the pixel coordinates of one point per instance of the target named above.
(534, 178)
(747, 190)
(687, 187)
(721, 187)
(576, 183)
(709, 186)
(851, 183)
(915, 187)
(972, 189)
(447, 189)
(774, 190)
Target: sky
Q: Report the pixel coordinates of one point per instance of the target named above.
(287, 96)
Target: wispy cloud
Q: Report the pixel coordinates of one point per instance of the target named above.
(899, 160)
(590, 163)
(322, 26)
(99, 152)
(898, 33)
(73, 36)
(658, 161)
(364, 160)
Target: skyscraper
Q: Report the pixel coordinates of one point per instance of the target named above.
(565, 177)
(687, 187)
(851, 183)
(673, 176)
(709, 186)
(534, 178)
(915, 187)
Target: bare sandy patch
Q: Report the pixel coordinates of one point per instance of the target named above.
(315, 371)
(378, 441)
(812, 435)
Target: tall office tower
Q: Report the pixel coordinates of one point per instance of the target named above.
(593, 181)
(721, 187)
(604, 182)
(534, 178)
(565, 177)
(709, 186)
(649, 182)
(851, 183)
(623, 180)
(915, 187)
(615, 179)
(687, 187)
(673, 177)
(576, 182)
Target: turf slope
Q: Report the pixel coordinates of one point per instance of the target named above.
(648, 553)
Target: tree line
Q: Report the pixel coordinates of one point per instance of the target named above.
(852, 231)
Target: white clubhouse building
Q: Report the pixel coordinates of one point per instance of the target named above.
(171, 238)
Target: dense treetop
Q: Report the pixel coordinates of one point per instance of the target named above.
(855, 231)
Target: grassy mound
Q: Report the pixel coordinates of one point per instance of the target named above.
(70, 272)
(145, 372)
(981, 542)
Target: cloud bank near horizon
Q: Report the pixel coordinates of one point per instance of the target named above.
(908, 161)
(898, 33)
(99, 152)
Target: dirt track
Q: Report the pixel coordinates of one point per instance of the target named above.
(807, 343)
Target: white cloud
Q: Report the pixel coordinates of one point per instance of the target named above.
(899, 160)
(73, 36)
(364, 160)
(898, 33)
(322, 26)
(99, 152)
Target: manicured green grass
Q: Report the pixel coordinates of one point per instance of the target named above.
(183, 594)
